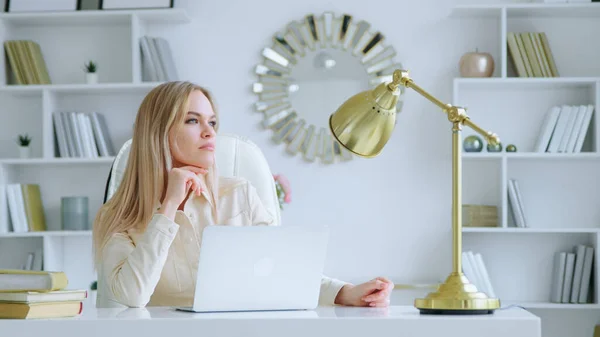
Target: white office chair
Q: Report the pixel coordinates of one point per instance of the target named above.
(236, 156)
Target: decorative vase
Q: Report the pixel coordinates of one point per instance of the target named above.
(91, 78)
(511, 148)
(494, 148)
(476, 64)
(92, 297)
(473, 144)
(24, 151)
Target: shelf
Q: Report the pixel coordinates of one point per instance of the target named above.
(548, 305)
(57, 161)
(530, 155)
(529, 10)
(538, 82)
(48, 233)
(530, 230)
(101, 17)
(79, 88)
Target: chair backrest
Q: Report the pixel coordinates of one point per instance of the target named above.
(236, 156)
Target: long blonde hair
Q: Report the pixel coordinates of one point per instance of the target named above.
(145, 178)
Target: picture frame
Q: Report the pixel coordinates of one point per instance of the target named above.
(135, 4)
(28, 6)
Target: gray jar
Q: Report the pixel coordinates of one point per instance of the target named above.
(74, 213)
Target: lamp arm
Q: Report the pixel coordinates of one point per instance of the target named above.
(455, 114)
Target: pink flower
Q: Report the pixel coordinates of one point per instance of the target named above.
(285, 186)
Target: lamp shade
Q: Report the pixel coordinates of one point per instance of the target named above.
(364, 123)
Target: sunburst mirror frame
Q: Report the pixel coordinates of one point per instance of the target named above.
(272, 87)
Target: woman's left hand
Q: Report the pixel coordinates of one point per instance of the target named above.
(375, 293)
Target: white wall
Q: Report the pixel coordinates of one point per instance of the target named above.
(389, 215)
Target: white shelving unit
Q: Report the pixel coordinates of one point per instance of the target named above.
(68, 40)
(561, 191)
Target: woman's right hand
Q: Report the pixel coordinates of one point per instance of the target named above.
(180, 181)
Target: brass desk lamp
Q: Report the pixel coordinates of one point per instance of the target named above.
(363, 124)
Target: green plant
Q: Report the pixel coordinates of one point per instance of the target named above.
(90, 67)
(24, 140)
(94, 285)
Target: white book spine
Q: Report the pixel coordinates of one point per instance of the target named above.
(570, 266)
(547, 129)
(568, 129)
(586, 275)
(559, 130)
(486, 277)
(579, 115)
(584, 128)
(558, 277)
(520, 202)
(577, 273)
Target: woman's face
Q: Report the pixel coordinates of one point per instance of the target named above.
(194, 143)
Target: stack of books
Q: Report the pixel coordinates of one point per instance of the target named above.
(38, 294)
(531, 55)
(476, 272)
(571, 275)
(26, 63)
(79, 134)
(25, 208)
(157, 61)
(564, 129)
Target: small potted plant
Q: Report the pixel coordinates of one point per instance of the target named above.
(24, 149)
(91, 76)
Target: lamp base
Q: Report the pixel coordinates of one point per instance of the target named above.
(457, 296)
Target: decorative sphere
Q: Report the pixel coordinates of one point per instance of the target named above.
(511, 148)
(476, 64)
(494, 148)
(473, 144)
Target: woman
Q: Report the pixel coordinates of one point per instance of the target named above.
(147, 236)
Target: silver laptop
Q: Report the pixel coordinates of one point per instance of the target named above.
(259, 268)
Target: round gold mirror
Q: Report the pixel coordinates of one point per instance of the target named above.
(311, 68)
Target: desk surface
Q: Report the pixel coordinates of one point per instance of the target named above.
(325, 321)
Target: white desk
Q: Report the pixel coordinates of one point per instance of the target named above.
(324, 321)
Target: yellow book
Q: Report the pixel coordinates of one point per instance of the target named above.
(11, 53)
(17, 280)
(34, 209)
(42, 63)
(523, 53)
(535, 65)
(549, 55)
(24, 62)
(31, 60)
(515, 54)
(40, 310)
(597, 331)
(51, 296)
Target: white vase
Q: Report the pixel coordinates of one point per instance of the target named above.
(91, 78)
(92, 295)
(24, 151)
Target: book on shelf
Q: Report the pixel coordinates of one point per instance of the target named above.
(157, 60)
(25, 209)
(83, 135)
(564, 129)
(476, 272)
(571, 275)
(38, 294)
(515, 200)
(26, 63)
(531, 54)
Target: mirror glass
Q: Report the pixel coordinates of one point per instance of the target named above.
(311, 68)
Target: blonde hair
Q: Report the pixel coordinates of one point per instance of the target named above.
(145, 178)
